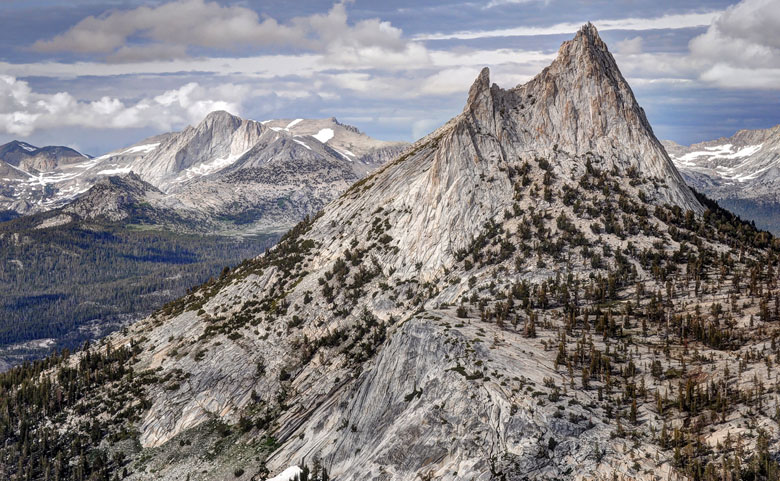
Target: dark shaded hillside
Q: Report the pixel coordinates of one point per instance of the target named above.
(82, 280)
(764, 214)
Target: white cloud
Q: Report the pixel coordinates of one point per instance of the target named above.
(741, 47)
(169, 30)
(675, 21)
(423, 127)
(630, 46)
(727, 76)
(268, 66)
(739, 50)
(450, 81)
(23, 110)
(181, 22)
(260, 66)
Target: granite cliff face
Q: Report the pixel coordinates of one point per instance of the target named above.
(741, 172)
(518, 295)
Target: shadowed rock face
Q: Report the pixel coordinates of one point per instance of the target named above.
(111, 196)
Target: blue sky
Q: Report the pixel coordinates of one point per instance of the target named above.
(99, 75)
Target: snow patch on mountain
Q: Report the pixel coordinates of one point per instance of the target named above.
(52, 178)
(120, 170)
(210, 167)
(293, 124)
(725, 152)
(287, 475)
(145, 149)
(301, 143)
(324, 135)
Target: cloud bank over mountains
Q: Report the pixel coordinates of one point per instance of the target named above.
(162, 66)
(23, 110)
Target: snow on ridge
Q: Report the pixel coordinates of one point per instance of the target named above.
(345, 155)
(27, 147)
(209, 167)
(303, 144)
(725, 152)
(324, 135)
(287, 475)
(293, 123)
(752, 175)
(726, 147)
(49, 178)
(120, 170)
(145, 149)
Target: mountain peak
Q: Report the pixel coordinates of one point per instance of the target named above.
(587, 44)
(481, 83)
(220, 118)
(588, 33)
(579, 106)
(588, 54)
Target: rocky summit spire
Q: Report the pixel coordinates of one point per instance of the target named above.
(579, 105)
(480, 106)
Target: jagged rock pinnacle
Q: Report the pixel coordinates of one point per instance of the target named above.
(579, 105)
(479, 88)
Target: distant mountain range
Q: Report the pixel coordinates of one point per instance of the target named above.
(741, 172)
(226, 174)
(91, 243)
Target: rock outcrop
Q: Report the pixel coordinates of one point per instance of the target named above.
(113, 198)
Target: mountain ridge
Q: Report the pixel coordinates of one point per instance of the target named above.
(185, 164)
(741, 172)
(523, 292)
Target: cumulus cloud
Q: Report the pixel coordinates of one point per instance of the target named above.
(22, 110)
(169, 30)
(741, 46)
(180, 23)
(630, 46)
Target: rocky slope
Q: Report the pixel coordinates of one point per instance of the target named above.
(529, 292)
(110, 197)
(741, 172)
